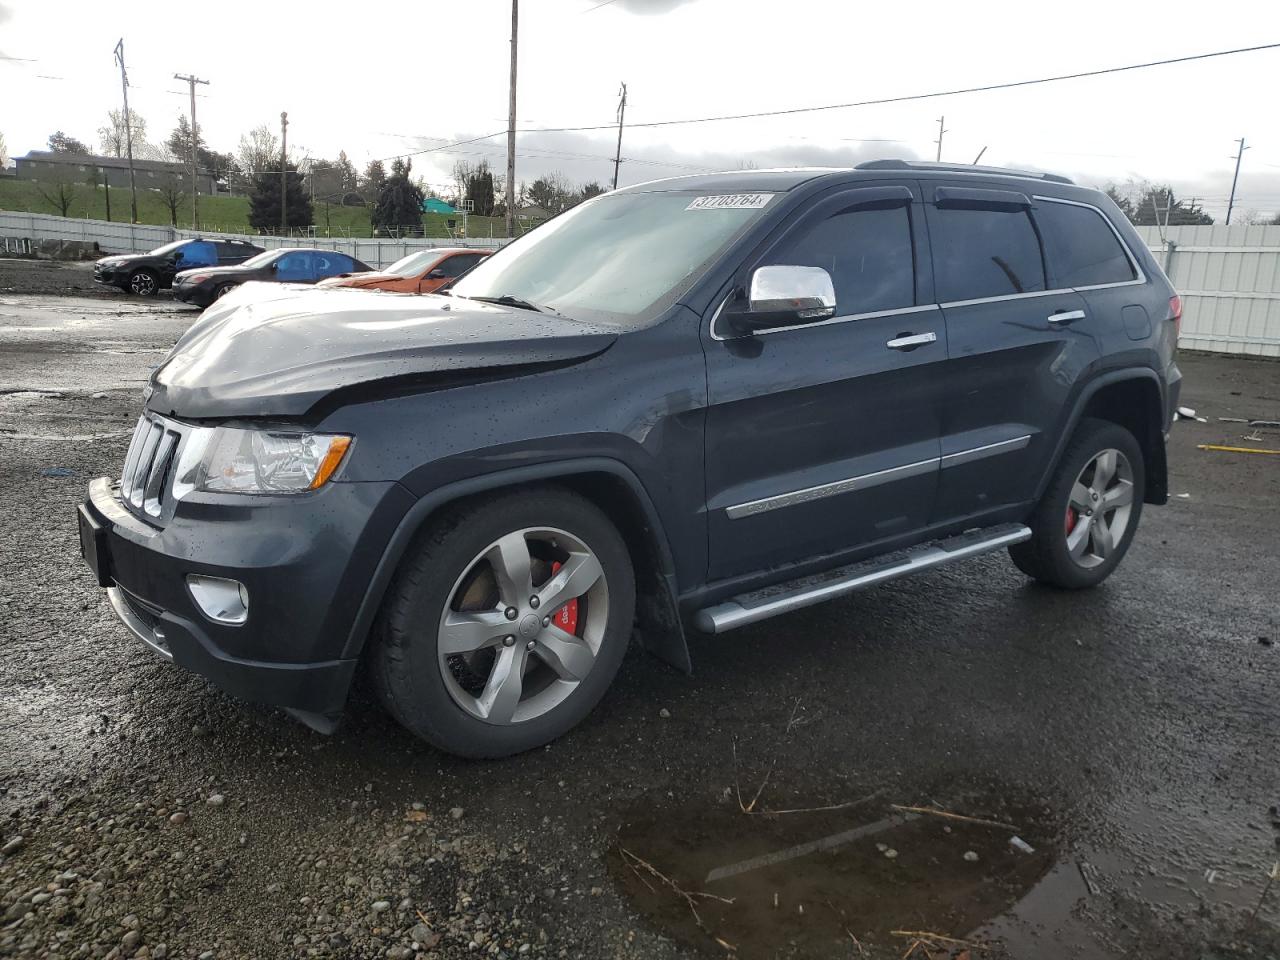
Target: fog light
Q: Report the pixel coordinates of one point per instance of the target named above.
(226, 601)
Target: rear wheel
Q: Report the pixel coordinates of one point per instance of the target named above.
(506, 624)
(144, 283)
(223, 290)
(1086, 520)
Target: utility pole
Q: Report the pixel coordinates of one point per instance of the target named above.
(511, 125)
(128, 133)
(941, 131)
(191, 80)
(622, 112)
(284, 173)
(1232, 201)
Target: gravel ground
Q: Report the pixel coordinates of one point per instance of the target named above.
(1129, 734)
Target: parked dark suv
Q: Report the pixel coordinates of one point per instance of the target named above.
(687, 405)
(146, 274)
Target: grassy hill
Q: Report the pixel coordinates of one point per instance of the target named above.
(217, 214)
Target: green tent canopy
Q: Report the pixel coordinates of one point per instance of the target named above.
(436, 205)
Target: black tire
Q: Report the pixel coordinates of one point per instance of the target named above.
(1047, 556)
(405, 665)
(144, 283)
(222, 291)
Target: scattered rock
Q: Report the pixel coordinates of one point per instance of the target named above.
(13, 845)
(971, 856)
(664, 713)
(891, 854)
(178, 818)
(216, 800)
(381, 906)
(457, 813)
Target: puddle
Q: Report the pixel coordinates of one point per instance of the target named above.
(821, 884)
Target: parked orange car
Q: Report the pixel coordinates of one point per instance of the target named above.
(425, 271)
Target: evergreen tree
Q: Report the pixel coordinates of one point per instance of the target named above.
(480, 189)
(399, 206)
(264, 201)
(60, 142)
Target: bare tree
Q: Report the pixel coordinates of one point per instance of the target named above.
(113, 138)
(259, 150)
(4, 153)
(463, 170)
(173, 194)
(59, 190)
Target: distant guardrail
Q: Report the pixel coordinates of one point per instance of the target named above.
(113, 237)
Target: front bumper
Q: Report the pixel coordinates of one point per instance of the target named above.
(192, 294)
(306, 564)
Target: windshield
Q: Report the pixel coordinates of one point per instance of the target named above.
(619, 258)
(167, 248)
(413, 264)
(262, 259)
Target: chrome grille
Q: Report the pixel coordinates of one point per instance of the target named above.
(145, 482)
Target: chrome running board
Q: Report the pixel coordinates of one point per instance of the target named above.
(771, 601)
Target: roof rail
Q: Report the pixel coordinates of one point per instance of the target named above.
(958, 168)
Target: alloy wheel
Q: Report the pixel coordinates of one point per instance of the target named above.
(523, 625)
(143, 284)
(1100, 507)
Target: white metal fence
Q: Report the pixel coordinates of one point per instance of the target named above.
(1229, 277)
(114, 237)
(1229, 280)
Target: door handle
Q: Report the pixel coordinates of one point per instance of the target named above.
(909, 341)
(1066, 316)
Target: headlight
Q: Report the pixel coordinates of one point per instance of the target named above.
(197, 278)
(229, 460)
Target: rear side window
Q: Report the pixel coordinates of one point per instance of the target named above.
(868, 254)
(331, 264)
(981, 253)
(1082, 248)
(199, 253)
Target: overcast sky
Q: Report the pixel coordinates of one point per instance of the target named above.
(381, 79)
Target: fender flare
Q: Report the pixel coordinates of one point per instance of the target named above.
(671, 646)
(1082, 400)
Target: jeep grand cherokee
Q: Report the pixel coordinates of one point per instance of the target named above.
(684, 406)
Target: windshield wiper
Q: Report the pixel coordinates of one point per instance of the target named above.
(506, 300)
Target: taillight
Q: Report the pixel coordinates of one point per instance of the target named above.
(1175, 314)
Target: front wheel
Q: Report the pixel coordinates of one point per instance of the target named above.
(143, 283)
(506, 624)
(1086, 520)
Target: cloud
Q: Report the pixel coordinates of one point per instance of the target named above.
(581, 158)
(647, 8)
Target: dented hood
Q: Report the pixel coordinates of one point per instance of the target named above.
(269, 349)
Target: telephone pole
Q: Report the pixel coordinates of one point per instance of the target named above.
(191, 80)
(941, 131)
(284, 174)
(622, 112)
(1232, 201)
(511, 125)
(128, 132)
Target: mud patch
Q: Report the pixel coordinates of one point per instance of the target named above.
(867, 881)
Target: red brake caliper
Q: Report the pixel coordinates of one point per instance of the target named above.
(1072, 517)
(566, 618)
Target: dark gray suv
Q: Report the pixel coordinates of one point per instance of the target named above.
(679, 407)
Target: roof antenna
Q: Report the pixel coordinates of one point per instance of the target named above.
(979, 156)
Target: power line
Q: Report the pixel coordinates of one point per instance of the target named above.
(915, 96)
(599, 5)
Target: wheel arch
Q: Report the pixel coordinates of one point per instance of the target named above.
(1134, 399)
(610, 485)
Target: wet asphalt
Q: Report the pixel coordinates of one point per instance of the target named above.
(1129, 735)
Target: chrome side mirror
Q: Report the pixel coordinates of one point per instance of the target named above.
(784, 295)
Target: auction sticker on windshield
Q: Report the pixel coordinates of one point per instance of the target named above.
(732, 201)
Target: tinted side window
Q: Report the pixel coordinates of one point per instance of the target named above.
(984, 253)
(464, 262)
(868, 254)
(199, 253)
(331, 264)
(295, 267)
(234, 252)
(1081, 247)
